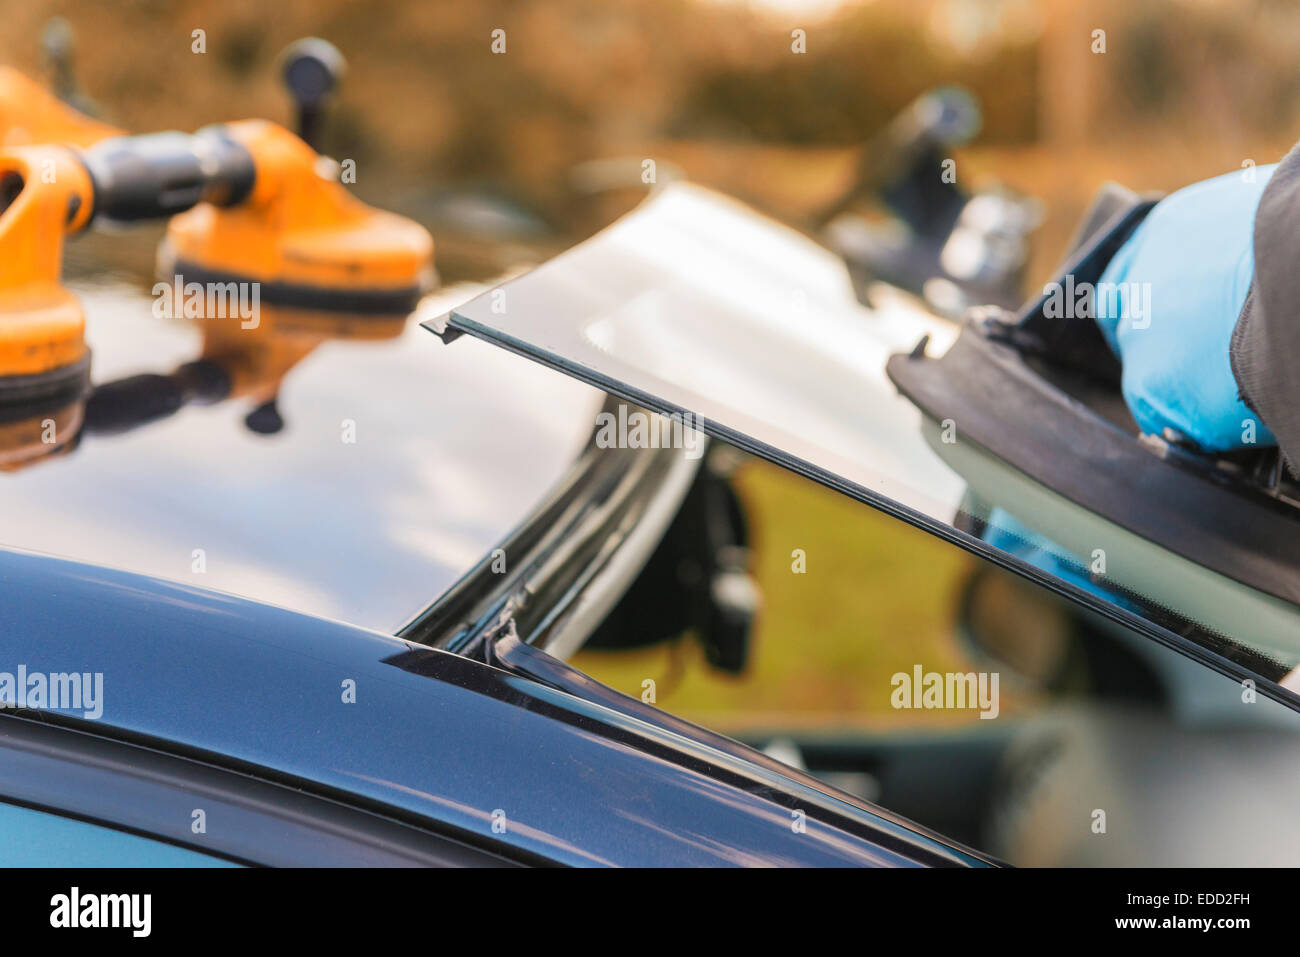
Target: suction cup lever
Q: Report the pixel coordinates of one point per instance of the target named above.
(312, 69)
(903, 162)
(57, 45)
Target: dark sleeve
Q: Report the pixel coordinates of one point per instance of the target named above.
(1265, 349)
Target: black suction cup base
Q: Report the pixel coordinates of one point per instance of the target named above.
(360, 302)
(19, 394)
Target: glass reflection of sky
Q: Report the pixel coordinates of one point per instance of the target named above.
(454, 445)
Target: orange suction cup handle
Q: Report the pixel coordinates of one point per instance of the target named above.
(45, 194)
(300, 233)
(252, 202)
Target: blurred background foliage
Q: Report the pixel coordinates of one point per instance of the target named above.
(1185, 89)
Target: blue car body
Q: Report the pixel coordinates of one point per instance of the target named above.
(436, 758)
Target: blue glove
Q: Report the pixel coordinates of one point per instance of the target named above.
(1191, 260)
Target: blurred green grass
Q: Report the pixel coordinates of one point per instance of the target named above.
(878, 597)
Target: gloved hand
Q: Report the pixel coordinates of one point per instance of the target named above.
(1192, 259)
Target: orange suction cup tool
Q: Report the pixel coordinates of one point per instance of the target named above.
(301, 235)
(45, 194)
(29, 113)
(249, 202)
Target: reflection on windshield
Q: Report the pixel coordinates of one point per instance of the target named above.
(221, 456)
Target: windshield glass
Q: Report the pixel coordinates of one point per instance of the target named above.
(695, 304)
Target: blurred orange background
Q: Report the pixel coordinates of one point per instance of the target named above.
(1185, 89)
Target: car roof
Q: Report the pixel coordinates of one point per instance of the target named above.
(452, 450)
